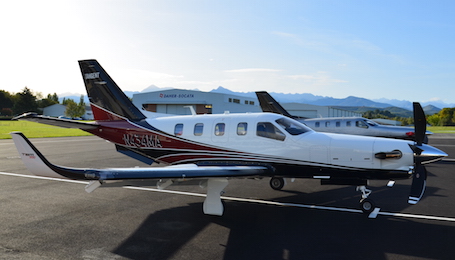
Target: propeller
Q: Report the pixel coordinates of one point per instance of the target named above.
(420, 173)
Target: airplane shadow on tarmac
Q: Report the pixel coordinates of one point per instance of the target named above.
(255, 231)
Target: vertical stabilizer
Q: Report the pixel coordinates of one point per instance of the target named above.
(107, 100)
(269, 104)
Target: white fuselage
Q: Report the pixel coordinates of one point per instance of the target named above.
(240, 133)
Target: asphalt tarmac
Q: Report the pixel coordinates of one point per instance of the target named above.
(49, 219)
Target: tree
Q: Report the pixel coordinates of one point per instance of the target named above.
(24, 102)
(6, 100)
(73, 109)
(48, 101)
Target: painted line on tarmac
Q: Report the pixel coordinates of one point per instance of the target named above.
(374, 214)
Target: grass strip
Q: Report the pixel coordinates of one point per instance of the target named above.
(37, 130)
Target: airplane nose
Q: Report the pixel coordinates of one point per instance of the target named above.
(428, 154)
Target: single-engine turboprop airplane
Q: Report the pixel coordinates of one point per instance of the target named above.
(215, 148)
(341, 125)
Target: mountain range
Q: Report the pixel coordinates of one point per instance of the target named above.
(352, 103)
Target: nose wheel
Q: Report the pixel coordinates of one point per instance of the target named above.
(366, 205)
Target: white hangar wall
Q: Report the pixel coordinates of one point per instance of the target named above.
(313, 111)
(173, 101)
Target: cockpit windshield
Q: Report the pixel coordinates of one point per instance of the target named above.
(371, 123)
(291, 126)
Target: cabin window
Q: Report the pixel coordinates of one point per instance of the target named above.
(337, 124)
(268, 130)
(219, 129)
(327, 124)
(348, 123)
(198, 128)
(317, 124)
(242, 128)
(361, 124)
(291, 126)
(178, 130)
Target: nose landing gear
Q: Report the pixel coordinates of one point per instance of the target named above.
(367, 205)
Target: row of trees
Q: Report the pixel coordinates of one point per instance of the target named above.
(27, 101)
(445, 117)
(385, 114)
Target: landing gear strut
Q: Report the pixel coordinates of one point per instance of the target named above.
(367, 205)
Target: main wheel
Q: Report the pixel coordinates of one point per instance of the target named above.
(277, 183)
(367, 205)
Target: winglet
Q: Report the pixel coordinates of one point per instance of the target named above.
(32, 158)
(37, 164)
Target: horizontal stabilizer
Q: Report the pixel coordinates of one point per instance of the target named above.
(39, 165)
(66, 123)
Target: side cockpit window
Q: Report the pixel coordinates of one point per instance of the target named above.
(268, 130)
(361, 124)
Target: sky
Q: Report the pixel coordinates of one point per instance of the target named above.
(372, 49)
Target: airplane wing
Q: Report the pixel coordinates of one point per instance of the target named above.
(66, 123)
(216, 176)
(39, 165)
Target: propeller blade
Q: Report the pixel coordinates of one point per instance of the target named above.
(418, 184)
(420, 123)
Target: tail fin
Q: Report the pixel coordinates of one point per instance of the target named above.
(107, 100)
(269, 104)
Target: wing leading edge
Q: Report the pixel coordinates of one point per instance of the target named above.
(66, 123)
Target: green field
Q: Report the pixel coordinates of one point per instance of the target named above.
(442, 129)
(36, 130)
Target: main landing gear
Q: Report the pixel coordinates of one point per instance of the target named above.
(367, 205)
(277, 183)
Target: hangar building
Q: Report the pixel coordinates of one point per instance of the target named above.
(175, 101)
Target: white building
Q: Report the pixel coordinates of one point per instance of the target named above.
(57, 110)
(173, 101)
(313, 111)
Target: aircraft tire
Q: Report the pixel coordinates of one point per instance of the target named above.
(277, 183)
(367, 206)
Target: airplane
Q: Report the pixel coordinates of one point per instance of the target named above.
(215, 148)
(341, 125)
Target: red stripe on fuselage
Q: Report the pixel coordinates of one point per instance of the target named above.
(123, 132)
